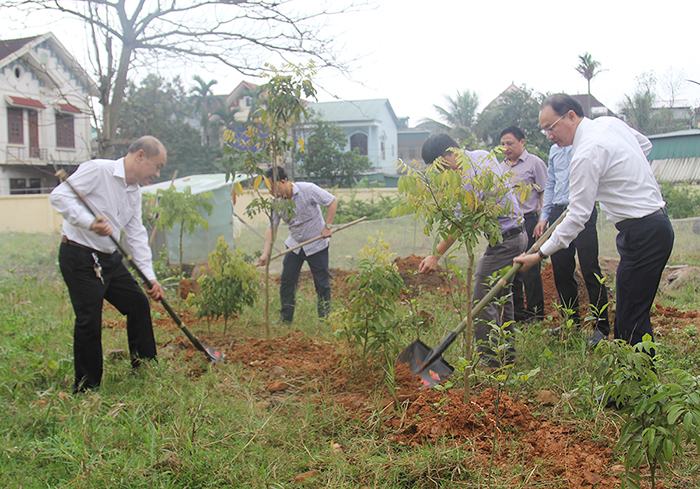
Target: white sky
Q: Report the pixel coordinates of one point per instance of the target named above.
(414, 52)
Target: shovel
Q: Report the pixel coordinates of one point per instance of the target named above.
(212, 354)
(428, 363)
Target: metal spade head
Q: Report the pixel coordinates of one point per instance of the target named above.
(214, 355)
(415, 356)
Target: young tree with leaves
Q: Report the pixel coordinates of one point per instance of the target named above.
(266, 142)
(464, 196)
(183, 209)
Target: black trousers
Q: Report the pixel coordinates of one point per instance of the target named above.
(564, 266)
(644, 249)
(87, 293)
(291, 268)
(530, 279)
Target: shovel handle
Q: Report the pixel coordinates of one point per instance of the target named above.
(498, 286)
(308, 241)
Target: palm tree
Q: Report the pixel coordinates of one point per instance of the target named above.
(203, 98)
(459, 117)
(588, 68)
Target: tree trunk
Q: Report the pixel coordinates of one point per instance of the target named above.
(468, 353)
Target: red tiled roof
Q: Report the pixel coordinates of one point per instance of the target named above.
(26, 102)
(69, 108)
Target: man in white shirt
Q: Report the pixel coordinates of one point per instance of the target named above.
(609, 165)
(90, 263)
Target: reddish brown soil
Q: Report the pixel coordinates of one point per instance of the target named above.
(550, 453)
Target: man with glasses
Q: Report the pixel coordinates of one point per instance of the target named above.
(529, 170)
(554, 202)
(609, 165)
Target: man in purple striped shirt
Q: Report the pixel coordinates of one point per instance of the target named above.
(494, 258)
(305, 222)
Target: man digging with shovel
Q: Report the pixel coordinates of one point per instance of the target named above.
(494, 258)
(90, 264)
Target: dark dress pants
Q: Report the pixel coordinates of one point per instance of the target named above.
(87, 293)
(530, 279)
(564, 267)
(487, 339)
(644, 249)
(318, 263)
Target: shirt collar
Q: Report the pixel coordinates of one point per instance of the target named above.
(582, 126)
(120, 173)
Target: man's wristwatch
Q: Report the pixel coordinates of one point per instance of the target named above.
(542, 255)
(328, 226)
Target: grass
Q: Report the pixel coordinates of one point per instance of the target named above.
(166, 427)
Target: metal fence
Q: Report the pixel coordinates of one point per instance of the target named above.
(407, 237)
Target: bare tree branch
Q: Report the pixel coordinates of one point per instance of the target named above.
(240, 34)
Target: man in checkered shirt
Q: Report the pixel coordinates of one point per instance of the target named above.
(305, 222)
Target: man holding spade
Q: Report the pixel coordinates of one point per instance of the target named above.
(92, 267)
(609, 165)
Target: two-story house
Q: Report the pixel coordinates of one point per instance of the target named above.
(44, 113)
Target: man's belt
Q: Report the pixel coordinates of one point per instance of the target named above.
(625, 223)
(73, 243)
(512, 232)
(532, 214)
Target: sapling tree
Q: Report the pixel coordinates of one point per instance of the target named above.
(268, 141)
(370, 321)
(183, 208)
(461, 205)
(231, 284)
(662, 418)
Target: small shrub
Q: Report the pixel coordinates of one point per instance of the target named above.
(370, 318)
(232, 284)
(662, 418)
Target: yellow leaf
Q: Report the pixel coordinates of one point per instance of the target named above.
(301, 145)
(256, 183)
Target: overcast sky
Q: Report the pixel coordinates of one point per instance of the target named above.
(415, 52)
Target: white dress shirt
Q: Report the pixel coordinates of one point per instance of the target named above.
(609, 165)
(102, 184)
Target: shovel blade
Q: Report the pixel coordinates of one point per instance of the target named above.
(214, 355)
(431, 375)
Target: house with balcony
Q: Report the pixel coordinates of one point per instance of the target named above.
(44, 113)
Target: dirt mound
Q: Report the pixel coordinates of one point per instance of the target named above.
(548, 450)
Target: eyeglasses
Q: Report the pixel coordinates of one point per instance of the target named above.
(548, 130)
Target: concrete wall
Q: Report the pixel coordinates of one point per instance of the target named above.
(34, 214)
(29, 213)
